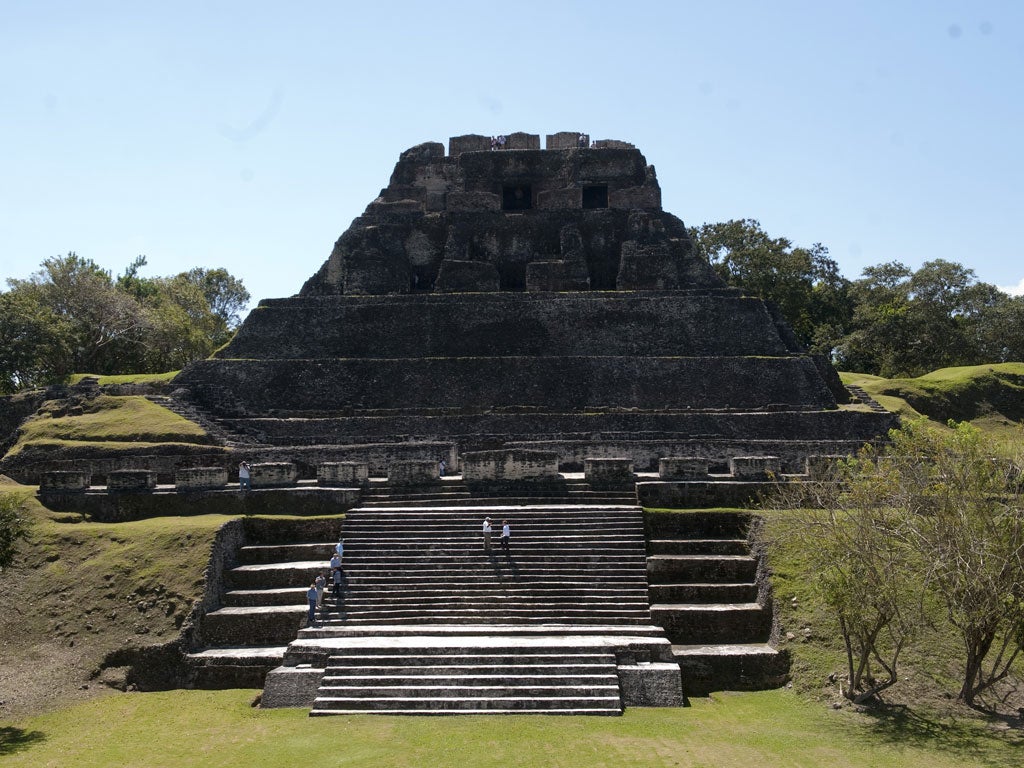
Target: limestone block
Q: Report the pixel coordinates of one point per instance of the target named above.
(383, 208)
(635, 197)
(609, 473)
(273, 474)
(562, 140)
(413, 472)
(466, 276)
(569, 198)
(291, 687)
(471, 202)
(131, 480)
(509, 465)
(683, 468)
(469, 143)
(64, 482)
(613, 144)
(556, 275)
(651, 685)
(755, 467)
(646, 267)
(200, 478)
(519, 140)
(344, 473)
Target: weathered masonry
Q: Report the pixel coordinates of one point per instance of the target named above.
(524, 299)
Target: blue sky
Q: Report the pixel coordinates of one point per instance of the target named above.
(248, 135)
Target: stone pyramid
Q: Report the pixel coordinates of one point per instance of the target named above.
(524, 298)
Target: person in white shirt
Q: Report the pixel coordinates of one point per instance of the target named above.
(487, 534)
(505, 533)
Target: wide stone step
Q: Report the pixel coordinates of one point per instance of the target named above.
(385, 502)
(520, 617)
(450, 633)
(700, 568)
(698, 547)
(476, 705)
(467, 650)
(446, 530)
(257, 625)
(467, 689)
(476, 555)
(525, 612)
(274, 575)
(549, 576)
(457, 544)
(711, 623)
(703, 593)
(254, 597)
(736, 667)
(523, 597)
(468, 674)
(233, 667)
(283, 553)
(475, 709)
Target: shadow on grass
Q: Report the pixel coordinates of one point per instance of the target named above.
(967, 739)
(18, 739)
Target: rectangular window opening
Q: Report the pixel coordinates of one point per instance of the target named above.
(516, 197)
(595, 196)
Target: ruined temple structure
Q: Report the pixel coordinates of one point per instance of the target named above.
(525, 298)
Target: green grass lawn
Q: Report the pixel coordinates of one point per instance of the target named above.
(219, 728)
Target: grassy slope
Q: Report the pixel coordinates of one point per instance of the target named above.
(119, 423)
(725, 731)
(989, 396)
(78, 590)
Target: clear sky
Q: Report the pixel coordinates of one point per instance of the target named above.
(249, 134)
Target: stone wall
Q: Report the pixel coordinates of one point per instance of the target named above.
(555, 383)
(509, 466)
(124, 507)
(690, 323)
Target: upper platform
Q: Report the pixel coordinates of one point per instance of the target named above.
(568, 217)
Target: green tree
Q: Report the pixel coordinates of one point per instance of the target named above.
(933, 519)
(13, 526)
(907, 323)
(865, 570)
(72, 316)
(804, 283)
(968, 527)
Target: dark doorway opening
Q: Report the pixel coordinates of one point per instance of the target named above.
(595, 196)
(512, 276)
(517, 197)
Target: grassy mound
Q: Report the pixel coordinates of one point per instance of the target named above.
(989, 396)
(125, 423)
(127, 378)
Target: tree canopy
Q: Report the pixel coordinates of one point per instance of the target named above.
(74, 316)
(893, 321)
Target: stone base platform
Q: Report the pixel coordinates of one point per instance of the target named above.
(451, 670)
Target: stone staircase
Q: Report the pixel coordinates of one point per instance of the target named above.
(566, 564)
(430, 622)
(705, 592)
(220, 433)
(861, 395)
(262, 610)
(491, 679)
